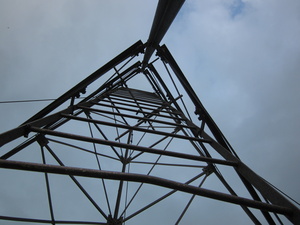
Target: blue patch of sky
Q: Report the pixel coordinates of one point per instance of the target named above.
(236, 8)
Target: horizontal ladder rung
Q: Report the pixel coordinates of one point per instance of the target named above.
(155, 113)
(136, 128)
(140, 99)
(146, 119)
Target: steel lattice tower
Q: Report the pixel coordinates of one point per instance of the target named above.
(137, 142)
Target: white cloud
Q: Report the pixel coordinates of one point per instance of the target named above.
(246, 71)
(244, 68)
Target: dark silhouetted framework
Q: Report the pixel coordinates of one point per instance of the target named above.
(131, 144)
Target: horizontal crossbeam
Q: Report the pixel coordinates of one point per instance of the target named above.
(133, 147)
(75, 171)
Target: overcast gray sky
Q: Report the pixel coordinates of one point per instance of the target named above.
(241, 57)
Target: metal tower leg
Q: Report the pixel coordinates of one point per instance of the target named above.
(129, 150)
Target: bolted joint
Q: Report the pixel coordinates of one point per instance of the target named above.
(113, 221)
(199, 112)
(125, 160)
(209, 169)
(87, 112)
(83, 91)
(27, 130)
(42, 140)
(178, 128)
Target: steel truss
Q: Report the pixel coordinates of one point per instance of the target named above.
(130, 149)
(135, 140)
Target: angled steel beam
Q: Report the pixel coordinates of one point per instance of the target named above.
(165, 54)
(83, 190)
(161, 198)
(258, 182)
(23, 130)
(80, 87)
(166, 12)
(227, 151)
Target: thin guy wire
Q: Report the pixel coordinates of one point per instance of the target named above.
(112, 104)
(189, 203)
(48, 189)
(108, 117)
(117, 130)
(27, 220)
(132, 57)
(163, 197)
(147, 175)
(154, 144)
(105, 137)
(30, 100)
(177, 90)
(77, 183)
(282, 192)
(99, 166)
(126, 195)
(82, 149)
(275, 214)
